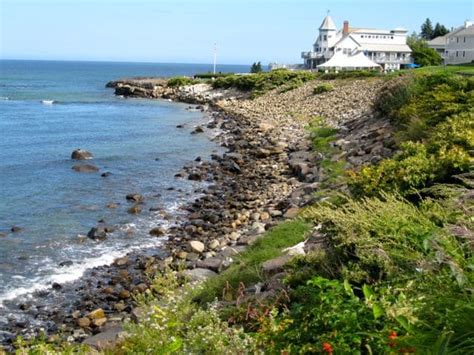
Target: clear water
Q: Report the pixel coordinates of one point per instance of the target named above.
(134, 139)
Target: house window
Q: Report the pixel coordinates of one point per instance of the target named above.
(463, 53)
(464, 39)
(457, 54)
(391, 37)
(325, 37)
(457, 39)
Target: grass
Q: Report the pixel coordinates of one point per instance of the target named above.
(247, 268)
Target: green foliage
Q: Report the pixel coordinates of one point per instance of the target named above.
(422, 54)
(439, 30)
(322, 89)
(262, 82)
(211, 75)
(256, 68)
(179, 81)
(427, 30)
(380, 238)
(174, 324)
(328, 311)
(350, 74)
(434, 114)
(247, 267)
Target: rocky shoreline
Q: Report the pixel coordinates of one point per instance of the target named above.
(267, 174)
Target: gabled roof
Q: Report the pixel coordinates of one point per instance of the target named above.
(438, 41)
(328, 24)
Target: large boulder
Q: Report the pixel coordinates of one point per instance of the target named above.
(97, 233)
(80, 154)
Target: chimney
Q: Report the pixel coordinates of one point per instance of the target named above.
(345, 28)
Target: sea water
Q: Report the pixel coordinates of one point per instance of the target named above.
(50, 108)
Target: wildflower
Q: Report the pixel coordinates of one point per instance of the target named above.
(327, 348)
(392, 336)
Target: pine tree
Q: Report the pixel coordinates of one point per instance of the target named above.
(427, 30)
(439, 30)
(256, 67)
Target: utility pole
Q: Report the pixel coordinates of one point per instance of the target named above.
(215, 56)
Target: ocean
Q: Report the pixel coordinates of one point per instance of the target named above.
(136, 140)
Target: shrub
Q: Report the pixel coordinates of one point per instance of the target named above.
(322, 88)
(262, 82)
(326, 315)
(350, 74)
(179, 81)
(174, 324)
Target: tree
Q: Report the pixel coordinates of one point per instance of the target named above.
(427, 30)
(422, 54)
(439, 30)
(256, 67)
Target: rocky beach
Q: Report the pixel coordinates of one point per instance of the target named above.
(267, 174)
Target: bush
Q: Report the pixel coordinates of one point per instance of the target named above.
(174, 324)
(322, 89)
(350, 74)
(179, 81)
(261, 83)
(211, 75)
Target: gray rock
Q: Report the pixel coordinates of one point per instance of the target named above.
(80, 154)
(107, 339)
(213, 263)
(135, 198)
(198, 274)
(97, 233)
(276, 265)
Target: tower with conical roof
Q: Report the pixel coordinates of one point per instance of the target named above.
(327, 35)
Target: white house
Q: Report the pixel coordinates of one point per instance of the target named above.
(388, 48)
(456, 47)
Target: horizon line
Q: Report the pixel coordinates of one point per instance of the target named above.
(116, 61)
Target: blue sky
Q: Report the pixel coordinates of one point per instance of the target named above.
(185, 30)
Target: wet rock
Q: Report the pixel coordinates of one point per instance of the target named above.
(196, 246)
(197, 130)
(97, 233)
(65, 263)
(135, 198)
(180, 126)
(158, 231)
(56, 286)
(80, 154)
(135, 209)
(15, 229)
(107, 173)
(112, 205)
(2, 235)
(122, 261)
(85, 168)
